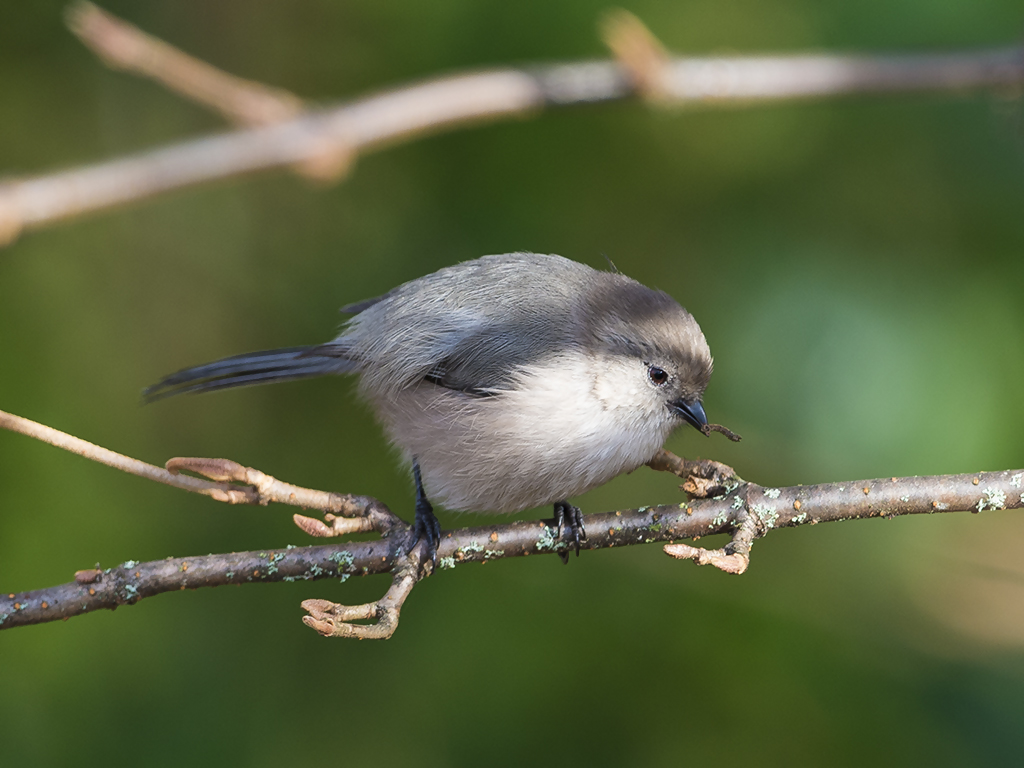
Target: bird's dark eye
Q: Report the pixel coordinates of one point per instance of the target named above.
(657, 375)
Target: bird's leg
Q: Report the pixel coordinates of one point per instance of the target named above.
(571, 519)
(425, 526)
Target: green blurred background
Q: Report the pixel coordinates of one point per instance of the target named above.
(855, 264)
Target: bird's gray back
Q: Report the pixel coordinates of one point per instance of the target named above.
(471, 326)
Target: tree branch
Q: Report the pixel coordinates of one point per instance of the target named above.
(331, 137)
(123, 46)
(744, 510)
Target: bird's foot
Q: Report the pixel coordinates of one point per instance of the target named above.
(427, 529)
(570, 523)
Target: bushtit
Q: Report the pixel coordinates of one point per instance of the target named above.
(507, 382)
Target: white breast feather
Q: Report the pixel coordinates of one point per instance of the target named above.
(567, 426)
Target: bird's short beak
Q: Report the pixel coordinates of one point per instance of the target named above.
(693, 413)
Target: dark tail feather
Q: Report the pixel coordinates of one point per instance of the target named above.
(244, 370)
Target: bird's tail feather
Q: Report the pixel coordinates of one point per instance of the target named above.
(253, 368)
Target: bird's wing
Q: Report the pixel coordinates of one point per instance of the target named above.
(488, 359)
(470, 327)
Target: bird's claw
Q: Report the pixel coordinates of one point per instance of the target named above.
(570, 521)
(427, 529)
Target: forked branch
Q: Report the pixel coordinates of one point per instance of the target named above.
(745, 511)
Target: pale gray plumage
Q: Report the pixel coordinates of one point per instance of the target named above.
(514, 380)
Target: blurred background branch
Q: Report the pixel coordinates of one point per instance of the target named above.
(124, 46)
(323, 142)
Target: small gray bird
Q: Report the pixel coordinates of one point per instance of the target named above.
(508, 382)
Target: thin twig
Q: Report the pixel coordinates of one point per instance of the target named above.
(345, 513)
(232, 483)
(218, 491)
(448, 103)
